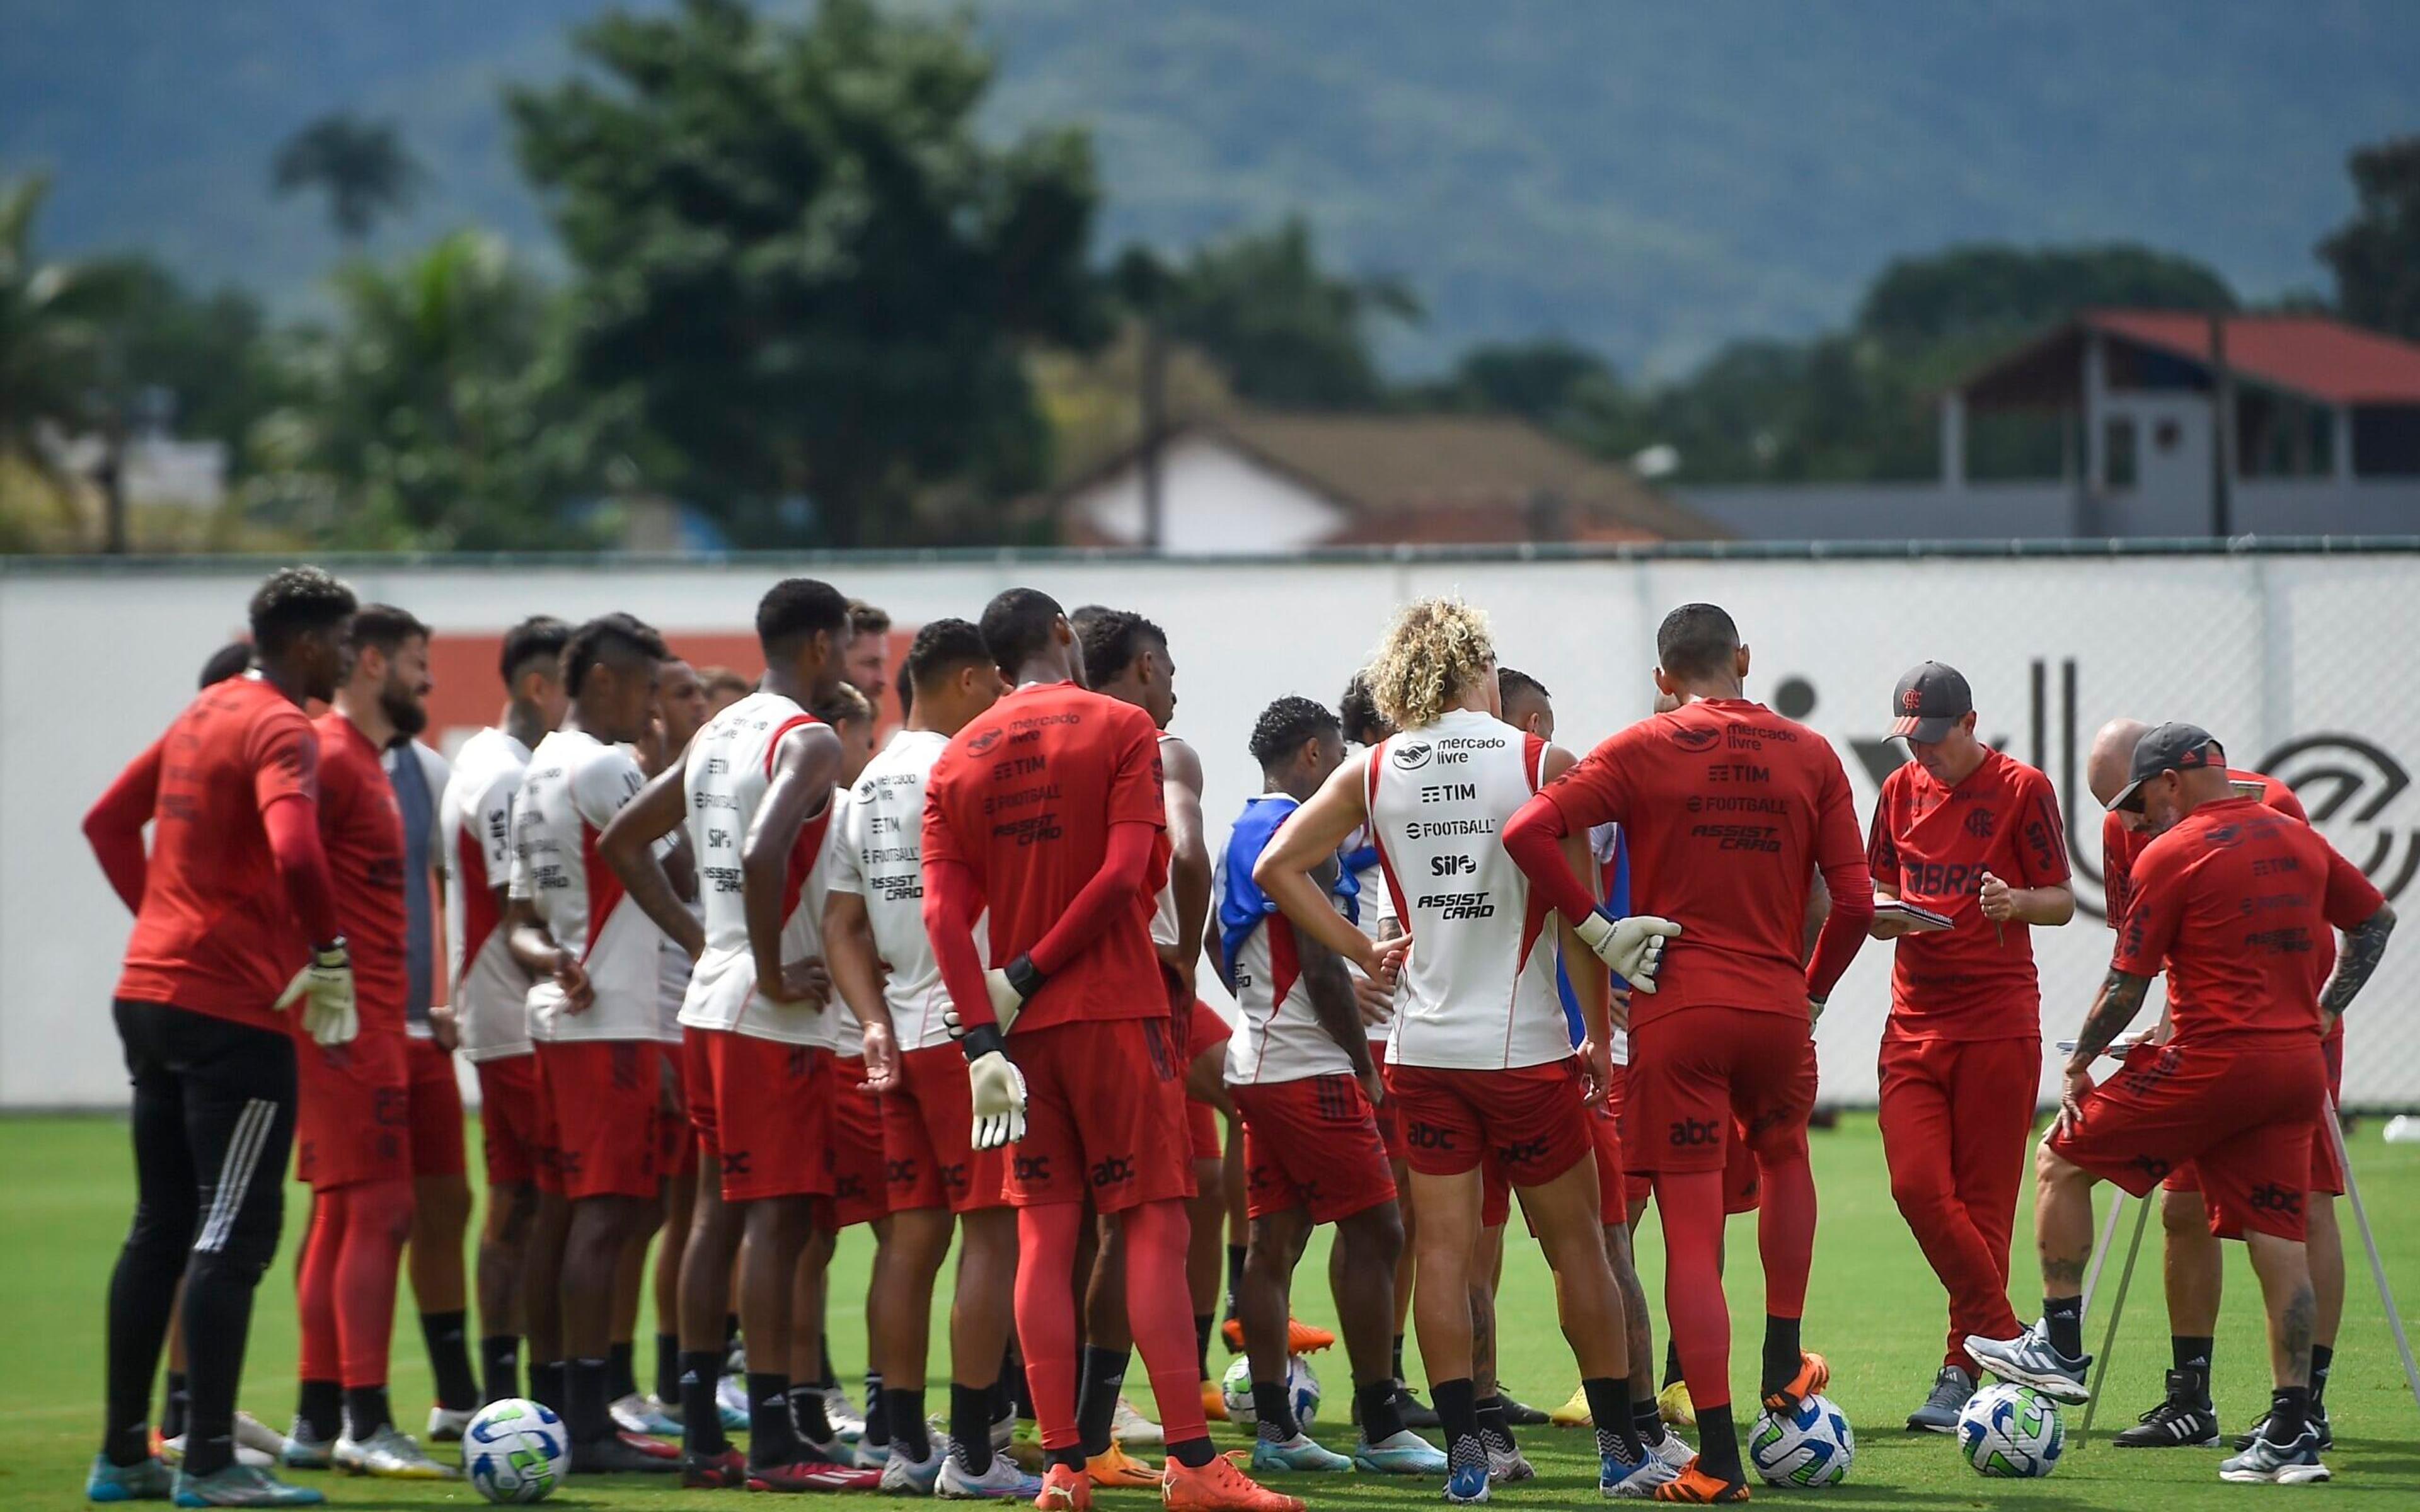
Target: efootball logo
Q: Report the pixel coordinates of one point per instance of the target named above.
(983, 742)
(1413, 755)
(1696, 742)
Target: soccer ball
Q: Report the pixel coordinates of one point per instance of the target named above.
(2012, 1431)
(515, 1451)
(1302, 1387)
(1811, 1447)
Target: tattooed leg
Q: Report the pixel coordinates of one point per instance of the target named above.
(2284, 1268)
(2062, 1222)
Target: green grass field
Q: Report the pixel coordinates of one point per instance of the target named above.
(1874, 1309)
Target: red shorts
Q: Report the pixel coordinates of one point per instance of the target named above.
(1104, 1116)
(352, 1119)
(508, 1132)
(1314, 1144)
(1532, 1121)
(2241, 1115)
(1390, 1119)
(598, 1102)
(1742, 1189)
(1707, 1078)
(928, 1128)
(859, 1194)
(1612, 1187)
(1202, 1127)
(697, 1088)
(772, 1116)
(436, 1110)
(675, 1136)
(2326, 1175)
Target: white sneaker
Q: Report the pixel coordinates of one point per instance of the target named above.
(1507, 1463)
(447, 1424)
(731, 1395)
(1672, 1451)
(847, 1423)
(1132, 1428)
(669, 1412)
(903, 1477)
(298, 1450)
(635, 1413)
(391, 1454)
(1002, 1481)
(172, 1451)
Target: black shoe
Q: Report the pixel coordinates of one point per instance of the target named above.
(1415, 1413)
(2318, 1420)
(1521, 1414)
(2184, 1420)
(611, 1456)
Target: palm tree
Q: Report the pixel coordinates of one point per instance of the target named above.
(362, 166)
(50, 346)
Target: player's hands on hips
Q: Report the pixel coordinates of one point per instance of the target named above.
(1373, 1084)
(805, 983)
(324, 990)
(1596, 1071)
(1632, 947)
(2077, 1086)
(1997, 899)
(443, 1027)
(1618, 1011)
(882, 1060)
(569, 974)
(1382, 962)
(999, 1090)
(1374, 998)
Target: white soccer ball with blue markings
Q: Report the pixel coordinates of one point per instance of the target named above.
(1811, 1447)
(1302, 1387)
(515, 1451)
(2011, 1432)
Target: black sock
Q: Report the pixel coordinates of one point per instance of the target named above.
(730, 1333)
(2322, 1356)
(586, 1418)
(771, 1439)
(668, 1368)
(2289, 1413)
(878, 1410)
(1647, 1423)
(621, 1371)
(1781, 1355)
(1193, 1453)
(172, 1407)
(1234, 1275)
(1457, 1410)
(1494, 1426)
(972, 1415)
(807, 1413)
(1276, 1413)
(1381, 1418)
(365, 1412)
(448, 1338)
(2063, 1317)
(500, 1367)
(903, 1410)
(1204, 1324)
(320, 1406)
(1718, 1444)
(1671, 1363)
(1399, 1357)
(1609, 1399)
(2190, 1355)
(1096, 1397)
(548, 1385)
(701, 1419)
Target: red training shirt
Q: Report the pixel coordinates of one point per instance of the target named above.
(1933, 843)
(362, 828)
(215, 933)
(2235, 901)
(1023, 797)
(1729, 809)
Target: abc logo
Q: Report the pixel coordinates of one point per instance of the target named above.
(1693, 1133)
(1428, 1136)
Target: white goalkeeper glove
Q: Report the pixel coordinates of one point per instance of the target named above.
(1632, 947)
(1009, 987)
(999, 1100)
(325, 990)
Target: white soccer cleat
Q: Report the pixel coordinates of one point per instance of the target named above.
(447, 1424)
(635, 1413)
(389, 1454)
(2030, 1361)
(847, 1423)
(1132, 1428)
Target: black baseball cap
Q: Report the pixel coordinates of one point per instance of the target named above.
(1930, 698)
(2175, 747)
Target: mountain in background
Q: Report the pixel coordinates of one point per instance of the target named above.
(1650, 180)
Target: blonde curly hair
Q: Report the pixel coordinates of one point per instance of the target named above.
(1435, 649)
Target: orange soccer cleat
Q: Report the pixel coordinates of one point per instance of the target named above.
(1213, 1402)
(1301, 1338)
(1814, 1376)
(1218, 1486)
(1065, 1489)
(1116, 1470)
(1693, 1486)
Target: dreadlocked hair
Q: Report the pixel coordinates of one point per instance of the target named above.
(1435, 650)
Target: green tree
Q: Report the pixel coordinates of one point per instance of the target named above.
(1995, 291)
(2376, 254)
(795, 247)
(50, 344)
(362, 166)
(1289, 332)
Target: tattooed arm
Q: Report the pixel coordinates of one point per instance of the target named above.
(2120, 999)
(2363, 945)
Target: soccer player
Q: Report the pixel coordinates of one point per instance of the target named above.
(489, 989)
(755, 788)
(2194, 1269)
(2231, 897)
(235, 920)
(1299, 1070)
(1975, 835)
(882, 964)
(1729, 809)
(354, 1125)
(866, 664)
(1480, 1060)
(592, 954)
(724, 689)
(1048, 810)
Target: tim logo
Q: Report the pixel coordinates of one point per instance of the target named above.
(2270, 1197)
(983, 742)
(1410, 756)
(1695, 742)
(1691, 1134)
(1979, 822)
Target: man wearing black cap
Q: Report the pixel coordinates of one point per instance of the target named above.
(2232, 898)
(1969, 833)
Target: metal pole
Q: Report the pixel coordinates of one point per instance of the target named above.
(2117, 1310)
(2369, 1242)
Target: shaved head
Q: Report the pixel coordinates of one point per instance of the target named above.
(2113, 753)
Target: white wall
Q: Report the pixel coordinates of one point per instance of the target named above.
(2259, 649)
(1214, 499)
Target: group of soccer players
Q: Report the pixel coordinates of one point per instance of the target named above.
(732, 981)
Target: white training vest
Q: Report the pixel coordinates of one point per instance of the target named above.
(877, 856)
(1278, 1034)
(1163, 911)
(490, 991)
(1477, 989)
(575, 785)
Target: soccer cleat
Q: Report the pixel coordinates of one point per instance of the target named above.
(145, 1480)
(445, 1423)
(727, 1471)
(1671, 1449)
(731, 1395)
(300, 1451)
(1126, 1425)
(2289, 1464)
(1213, 1402)
(839, 1454)
(1616, 1477)
(1466, 1480)
(1065, 1488)
(847, 1423)
(1814, 1376)
(1218, 1486)
(635, 1413)
(247, 1452)
(2029, 1361)
(1415, 1413)
(1521, 1414)
(1505, 1461)
(390, 1453)
(1299, 1452)
(1404, 1454)
(905, 1475)
(1573, 1413)
(2319, 1423)
(871, 1455)
(808, 1475)
(1301, 1338)
(1673, 1405)
(242, 1485)
(2182, 1419)
(650, 1446)
(1114, 1469)
(1693, 1486)
(615, 1455)
(1951, 1389)
(1001, 1480)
